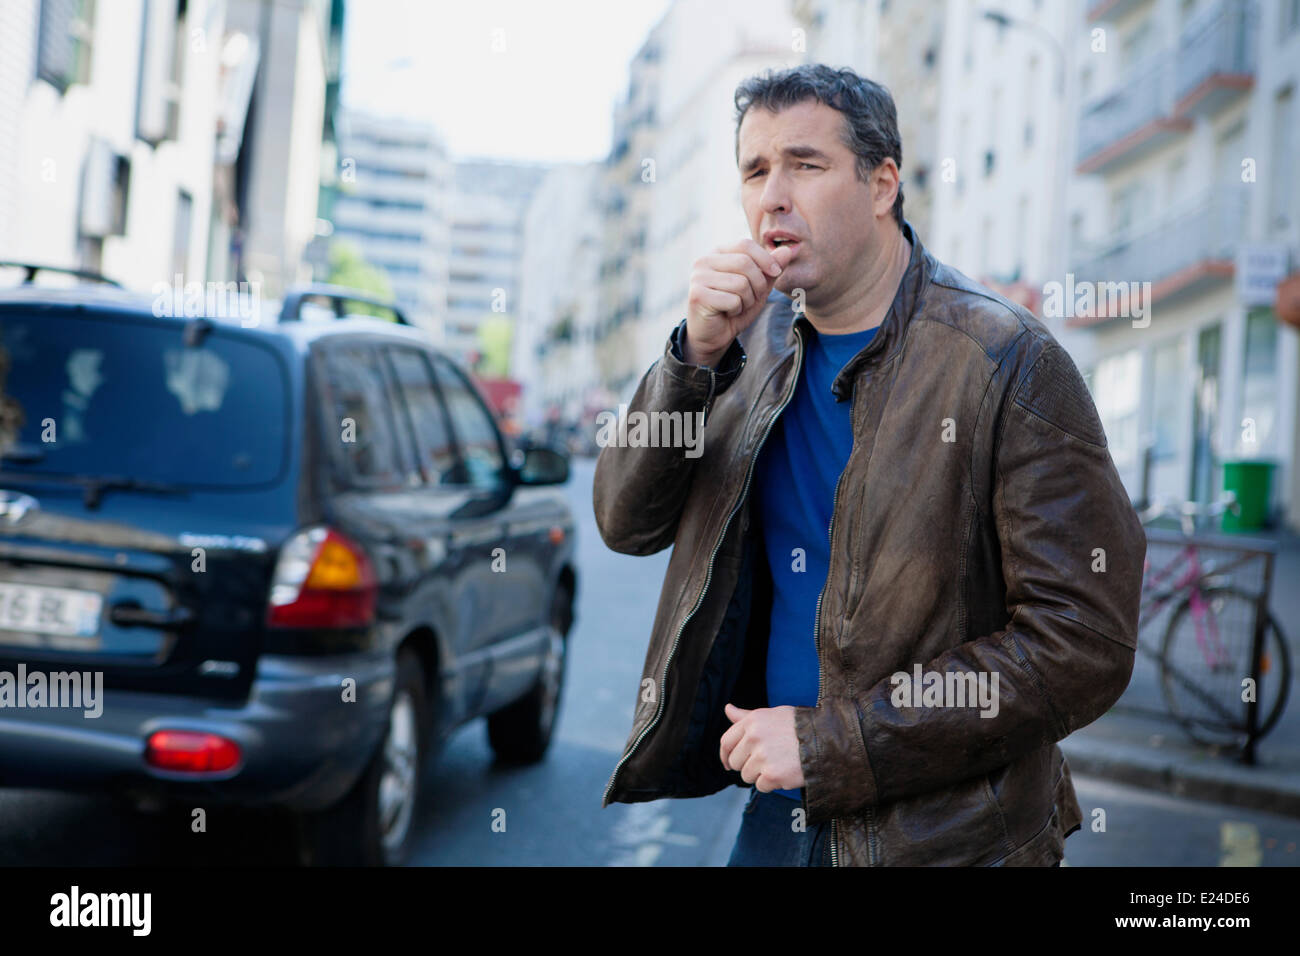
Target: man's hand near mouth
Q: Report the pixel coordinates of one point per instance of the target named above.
(729, 288)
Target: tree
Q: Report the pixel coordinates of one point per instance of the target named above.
(350, 269)
(494, 335)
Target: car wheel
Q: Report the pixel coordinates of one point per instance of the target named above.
(372, 824)
(522, 731)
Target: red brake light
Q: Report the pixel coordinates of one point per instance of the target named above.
(322, 580)
(187, 751)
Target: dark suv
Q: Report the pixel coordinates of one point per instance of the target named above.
(297, 555)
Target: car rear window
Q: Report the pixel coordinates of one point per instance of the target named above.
(98, 394)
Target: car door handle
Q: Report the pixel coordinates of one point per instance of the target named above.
(131, 614)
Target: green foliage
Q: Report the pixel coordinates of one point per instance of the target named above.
(348, 268)
(494, 335)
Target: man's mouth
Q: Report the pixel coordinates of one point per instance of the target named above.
(779, 238)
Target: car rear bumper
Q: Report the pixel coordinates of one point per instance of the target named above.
(304, 740)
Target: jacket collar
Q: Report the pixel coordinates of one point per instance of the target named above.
(889, 339)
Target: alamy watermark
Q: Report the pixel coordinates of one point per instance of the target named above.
(75, 690)
(212, 300)
(945, 689)
(127, 910)
(651, 430)
(1086, 299)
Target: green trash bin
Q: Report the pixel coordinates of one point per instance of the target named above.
(1252, 481)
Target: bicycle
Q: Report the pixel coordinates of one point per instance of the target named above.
(1209, 646)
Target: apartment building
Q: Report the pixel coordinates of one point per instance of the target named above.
(391, 202)
(982, 96)
(107, 125)
(686, 176)
(488, 203)
(276, 172)
(1188, 135)
(146, 139)
(625, 215)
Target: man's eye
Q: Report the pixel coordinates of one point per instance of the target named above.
(810, 165)
(757, 172)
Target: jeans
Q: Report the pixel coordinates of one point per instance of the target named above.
(767, 836)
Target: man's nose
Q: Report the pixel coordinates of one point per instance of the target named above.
(776, 193)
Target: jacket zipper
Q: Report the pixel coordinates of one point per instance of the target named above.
(817, 618)
(708, 577)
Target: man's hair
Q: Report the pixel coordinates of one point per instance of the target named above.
(870, 120)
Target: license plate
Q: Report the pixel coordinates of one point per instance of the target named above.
(37, 609)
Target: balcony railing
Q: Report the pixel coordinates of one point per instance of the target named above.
(1109, 9)
(1194, 245)
(1213, 63)
(1138, 112)
(1216, 55)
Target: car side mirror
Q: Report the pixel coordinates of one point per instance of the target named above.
(542, 466)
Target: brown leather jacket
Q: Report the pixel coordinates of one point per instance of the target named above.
(978, 527)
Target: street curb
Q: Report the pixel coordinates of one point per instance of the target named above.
(1216, 779)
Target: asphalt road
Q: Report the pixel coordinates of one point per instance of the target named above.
(552, 811)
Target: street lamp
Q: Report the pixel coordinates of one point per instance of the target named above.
(1004, 21)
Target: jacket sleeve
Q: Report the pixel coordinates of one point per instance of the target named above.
(1065, 655)
(638, 492)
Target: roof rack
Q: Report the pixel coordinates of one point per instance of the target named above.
(31, 268)
(336, 297)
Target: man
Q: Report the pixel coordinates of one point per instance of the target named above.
(904, 566)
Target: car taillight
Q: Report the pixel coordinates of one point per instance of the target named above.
(188, 751)
(322, 580)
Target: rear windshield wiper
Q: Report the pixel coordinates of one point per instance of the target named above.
(23, 454)
(95, 486)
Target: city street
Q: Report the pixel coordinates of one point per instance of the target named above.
(552, 811)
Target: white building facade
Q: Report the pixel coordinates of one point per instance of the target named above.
(1189, 135)
(107, 126)
(487, 207)
(554, 352)
(392, 205)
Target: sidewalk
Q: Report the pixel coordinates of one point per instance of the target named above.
(1138, 743)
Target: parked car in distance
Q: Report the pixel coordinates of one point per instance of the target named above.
(299, 553)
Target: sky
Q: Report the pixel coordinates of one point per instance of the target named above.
(532, 80)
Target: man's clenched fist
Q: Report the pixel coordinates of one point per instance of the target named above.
(729, 287)
(763, 746)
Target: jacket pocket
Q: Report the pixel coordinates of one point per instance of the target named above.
(959, 826)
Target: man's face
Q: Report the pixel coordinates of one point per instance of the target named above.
(798, 177)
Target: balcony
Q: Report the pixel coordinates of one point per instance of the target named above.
(1134, 119)
(1216, 58)
(1110, 9)
(1182, 254)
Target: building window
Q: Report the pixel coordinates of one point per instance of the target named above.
(1170, 383)
(105, 184)
(1285, 142)
(158, 93)
(181, 232)
(1290, 17)
(1117, 382)
(1259, 398)
(64, 42)
(1206, 466)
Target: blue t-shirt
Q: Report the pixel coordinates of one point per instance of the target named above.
(796, 477)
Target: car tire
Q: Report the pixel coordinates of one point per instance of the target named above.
(372, 825)
(521, 732)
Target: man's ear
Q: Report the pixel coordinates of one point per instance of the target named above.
(884, 187)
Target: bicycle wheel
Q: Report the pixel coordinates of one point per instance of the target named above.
(1201, 676)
